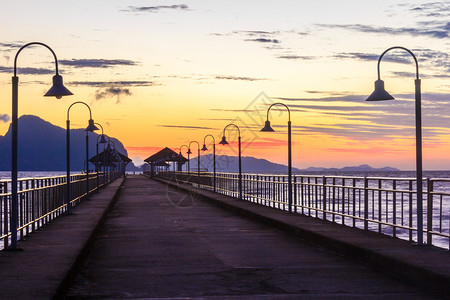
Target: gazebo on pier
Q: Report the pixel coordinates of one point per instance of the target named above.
(109, 158)
(162, 157)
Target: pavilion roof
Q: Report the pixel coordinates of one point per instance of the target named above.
(165, 155)
(108, 157)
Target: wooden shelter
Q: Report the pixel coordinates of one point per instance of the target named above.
(108, 158)
(163, 156)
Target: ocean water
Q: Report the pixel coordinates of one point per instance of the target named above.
(35, 174)
(441, 206)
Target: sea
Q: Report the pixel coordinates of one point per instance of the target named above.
(442, 187)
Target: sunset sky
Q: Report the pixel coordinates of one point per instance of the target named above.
(164, 73)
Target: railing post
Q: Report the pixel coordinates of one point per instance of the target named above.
(294, 190)
(366, 204)
(324, 196)
(394, 208)
(5, 214)
(429, 212)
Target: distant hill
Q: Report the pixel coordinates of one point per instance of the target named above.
(225, 163)
(361, 168)
(250, 164)
(42, 146)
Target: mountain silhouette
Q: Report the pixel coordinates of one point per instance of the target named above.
(42, 146)
(225, 163)
(251, 164)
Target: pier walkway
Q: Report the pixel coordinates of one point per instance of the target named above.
(158, 242)
(139, 238)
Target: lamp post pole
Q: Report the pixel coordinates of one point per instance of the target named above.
(189, 167)
(214, 156)
(57, 90)
(224, 142)
(102, 141)
(381, 94)
(198, 157)
(267, 127)
(91, 127)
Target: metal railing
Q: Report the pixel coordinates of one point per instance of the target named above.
(43, 199)
(383, 204)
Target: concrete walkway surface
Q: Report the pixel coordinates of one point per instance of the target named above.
(50, 254)
(158, 242)
(424, 266)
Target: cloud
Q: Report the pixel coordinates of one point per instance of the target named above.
(185, 127)
(263, 40)
(401, 58)
(97, 63)
(363, 120)
(11, 46)
(5, 118)
(27, 71)
(113, 83)
(209, 78)
(227, 77)
(112, 92)
(433, 10)
(296, 57)
(343, 98)
(439, 31)
(155, 9)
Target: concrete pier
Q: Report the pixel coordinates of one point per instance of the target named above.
(158, 242)
(143, 239)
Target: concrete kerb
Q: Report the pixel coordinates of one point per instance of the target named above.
(71, 274)
(422, 275)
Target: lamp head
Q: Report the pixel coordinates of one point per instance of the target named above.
(379, 94)
(58, 89)
(102, 139)
(91, 127)
(204, 148)
(267, 126)
(189, 151)
(223, 141)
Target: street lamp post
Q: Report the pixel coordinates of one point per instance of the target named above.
(198, 157)
(214, 156)
(91, 127)
(57, 90)
(102, 141)
(380, 94)
(267, 127)
(189, 163)
(224, 142)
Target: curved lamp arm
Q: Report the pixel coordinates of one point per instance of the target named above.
(35, 43)
(231, 124)
(403, 48)
(68, 110)
(99, 125)
(194, 142)
(204, 139)
(183, 146)
(279, 103)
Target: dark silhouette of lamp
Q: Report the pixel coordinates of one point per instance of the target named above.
(224, 142)
(268, 128)
(91, 127)
(381, 94)
(57, 90)
(102, 141)
(214, 157)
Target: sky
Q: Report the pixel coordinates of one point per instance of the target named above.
(165, 73)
